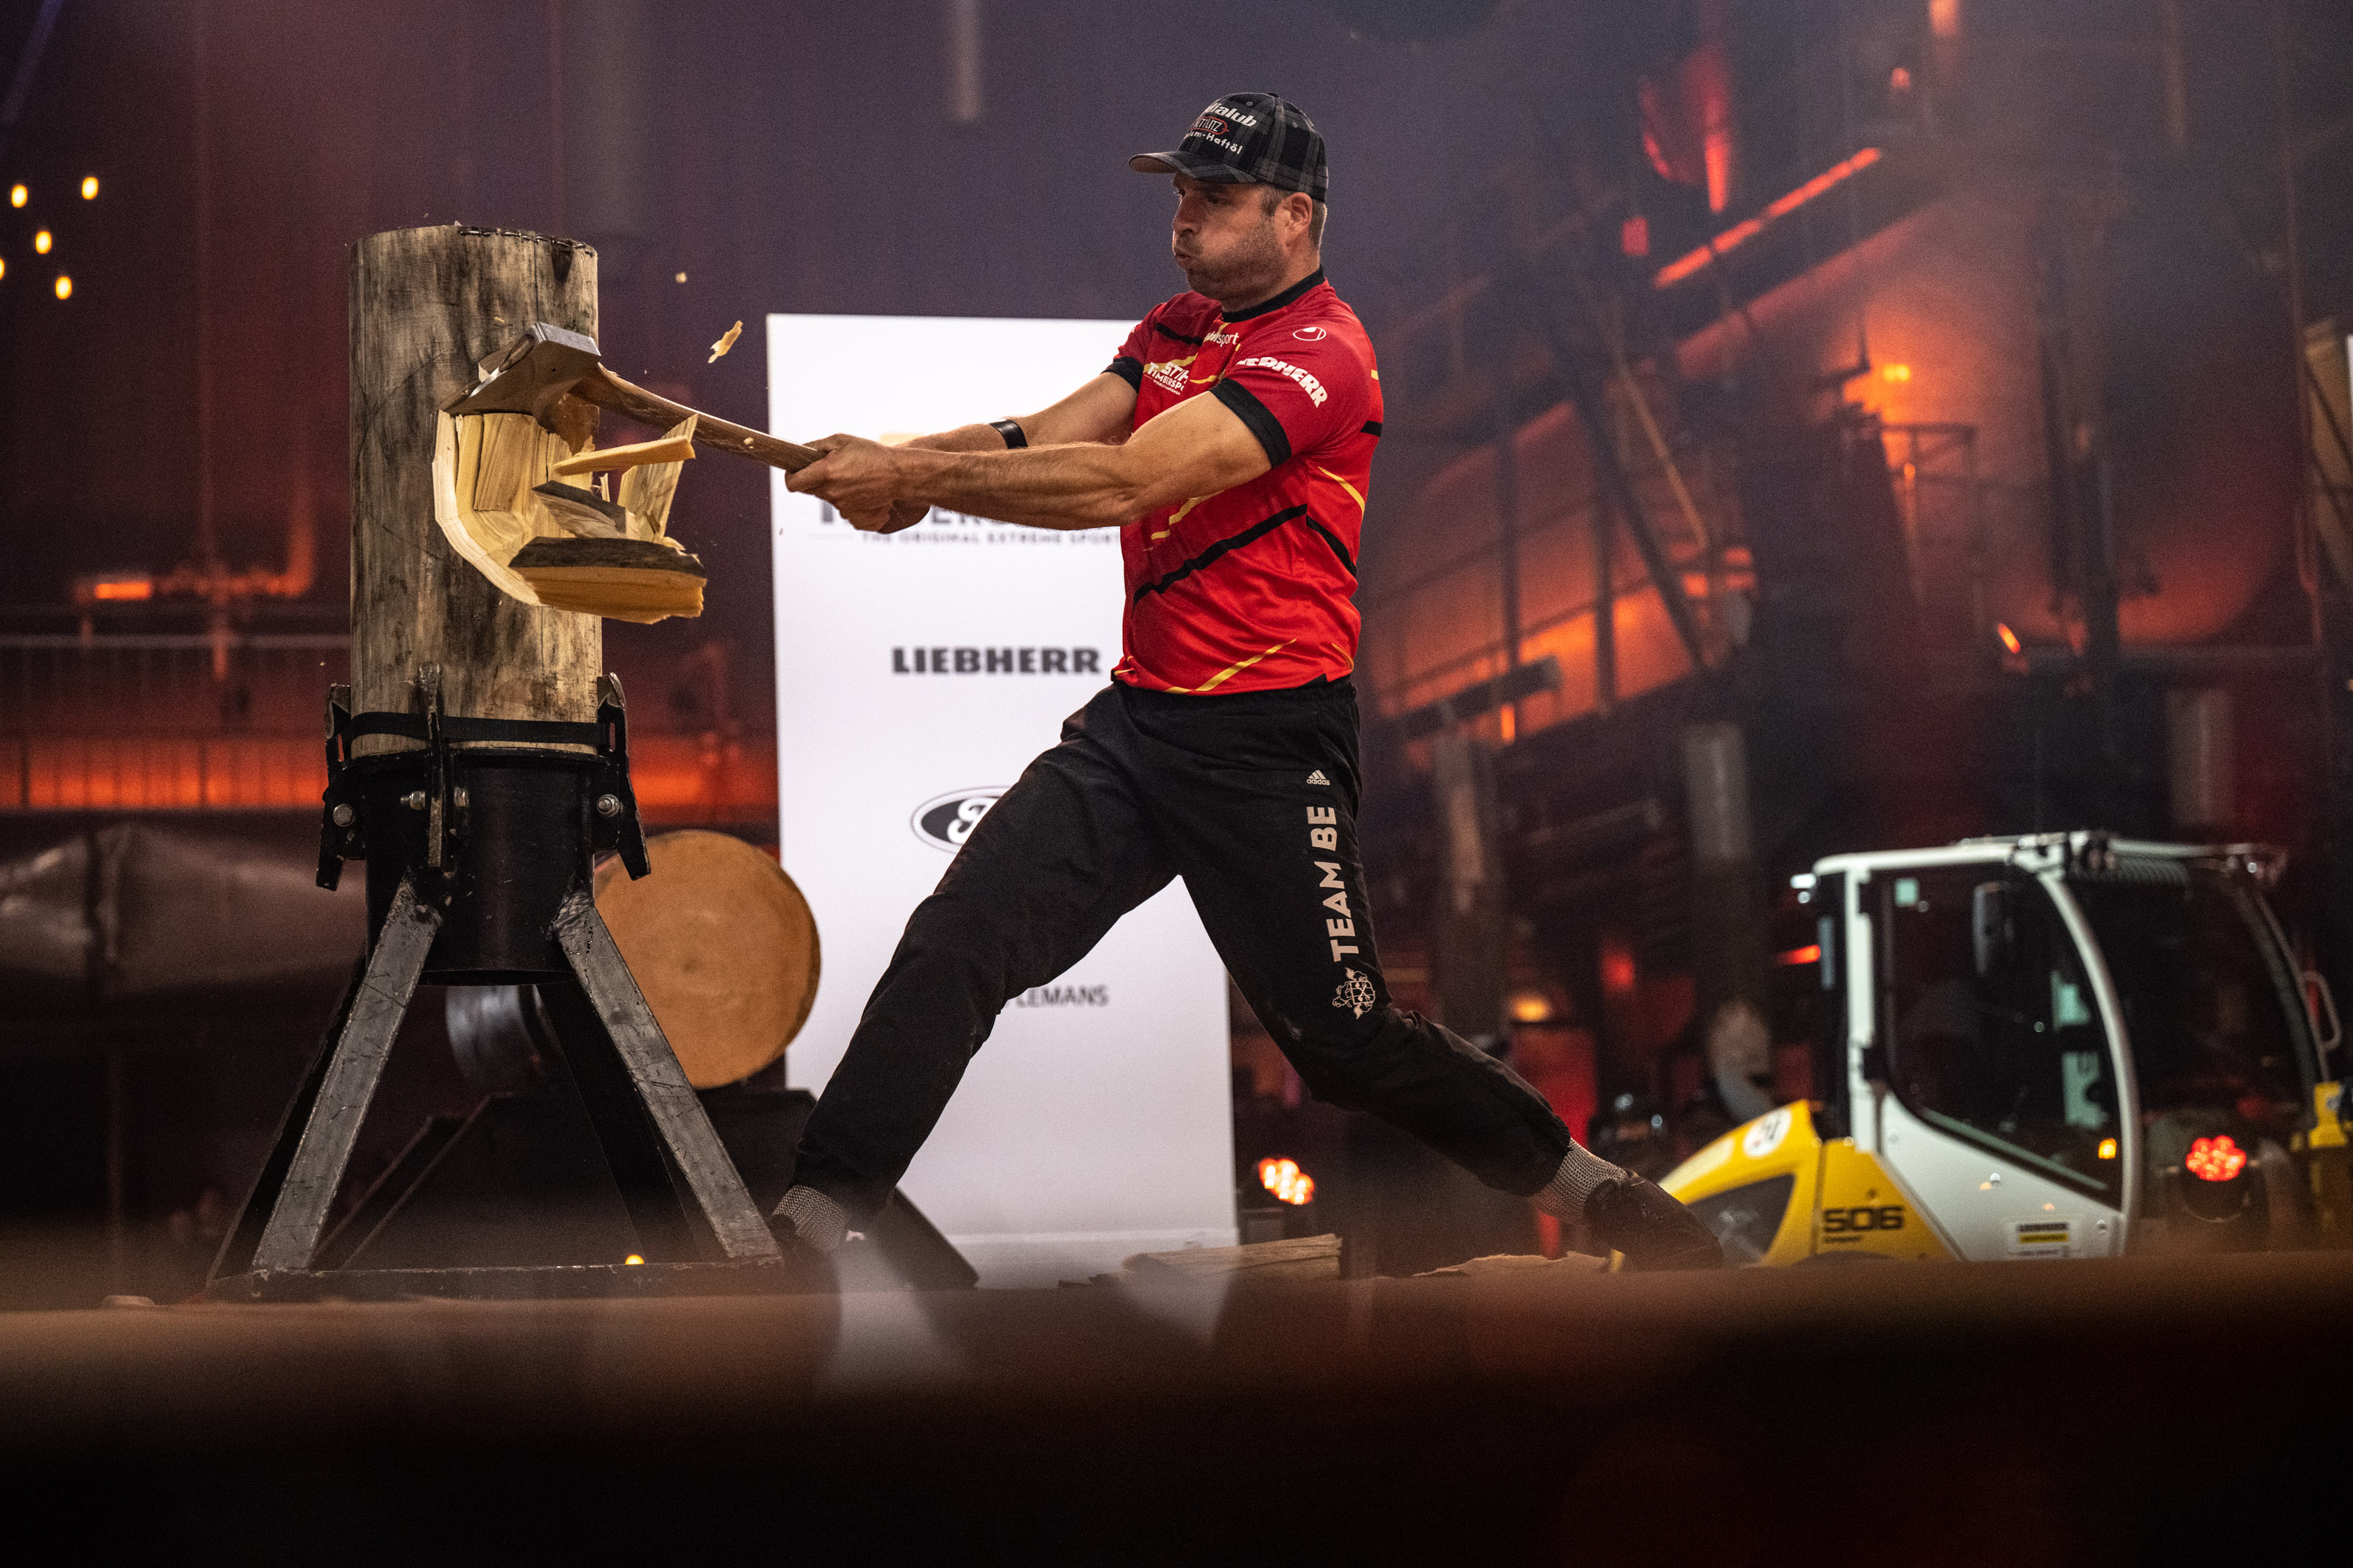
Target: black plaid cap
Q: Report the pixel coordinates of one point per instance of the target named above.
(1247, 138)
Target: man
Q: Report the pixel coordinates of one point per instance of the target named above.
(1231, 442)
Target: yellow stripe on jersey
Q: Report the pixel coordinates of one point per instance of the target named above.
(1342, 483)
(1234, 669)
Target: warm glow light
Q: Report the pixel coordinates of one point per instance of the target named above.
(1740, 233)
(89, 187)
(1531, 1007)
(1286, 1181)
(124, 588)
(1899, 81)
(1892, 373)
(2107, 1148)
(2008, 638)
(633, 1258)
(4, 266)
(681, 277)
(18, 196)
(1809, 953)
(1945, 18)
(41, 242)
(1617, 971)
(1634, 236)
(65, 287)
(2216, 1159)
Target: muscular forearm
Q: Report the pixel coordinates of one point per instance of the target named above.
(963, 439)
(1085, 485)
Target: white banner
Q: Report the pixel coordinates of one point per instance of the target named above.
(917, 673)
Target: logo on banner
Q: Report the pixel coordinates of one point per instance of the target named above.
(945, 821)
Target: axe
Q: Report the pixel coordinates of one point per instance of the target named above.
(548, 362)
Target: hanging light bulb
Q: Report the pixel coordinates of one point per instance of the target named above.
(65, 287)
(41, 242)
(89, 187)
(18, 196)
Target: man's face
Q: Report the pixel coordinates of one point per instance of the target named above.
(1224, 238)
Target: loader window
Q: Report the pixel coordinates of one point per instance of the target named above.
(2210, 1005)
(1992, 1031)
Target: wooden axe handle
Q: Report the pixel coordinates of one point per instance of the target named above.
(605, 390)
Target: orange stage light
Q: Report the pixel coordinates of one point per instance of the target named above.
(1286, 1181)
(1809, 953)
(2008, 638)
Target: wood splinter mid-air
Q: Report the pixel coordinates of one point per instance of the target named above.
(523, 491)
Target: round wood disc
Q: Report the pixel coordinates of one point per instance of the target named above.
(722, 945)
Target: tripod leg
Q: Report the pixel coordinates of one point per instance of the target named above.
(235, 1254)
(660, 1084)
(298, 1215)
(658, 1200)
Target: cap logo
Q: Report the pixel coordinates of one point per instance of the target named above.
(1211, 125)
(1308, 334)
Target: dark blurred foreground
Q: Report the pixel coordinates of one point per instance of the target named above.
(2074, 1412)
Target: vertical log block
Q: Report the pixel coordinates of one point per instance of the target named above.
(428, 305)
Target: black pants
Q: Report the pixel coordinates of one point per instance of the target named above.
(1252, 800)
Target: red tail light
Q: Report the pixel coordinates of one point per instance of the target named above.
(2216, 1159)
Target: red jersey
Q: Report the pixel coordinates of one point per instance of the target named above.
(1253, 588)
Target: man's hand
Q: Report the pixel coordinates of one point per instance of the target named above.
(860, 478)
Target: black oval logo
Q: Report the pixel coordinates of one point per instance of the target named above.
(945, 821)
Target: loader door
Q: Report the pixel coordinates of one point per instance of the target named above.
(2000, 1114)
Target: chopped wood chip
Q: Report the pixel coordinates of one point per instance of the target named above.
(726, 341)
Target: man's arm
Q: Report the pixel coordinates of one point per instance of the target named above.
(1098, 411)
(1197, 448)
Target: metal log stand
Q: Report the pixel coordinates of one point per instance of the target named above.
(477, 763)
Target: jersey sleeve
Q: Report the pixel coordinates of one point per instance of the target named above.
(1300, 395)
(1129, 362)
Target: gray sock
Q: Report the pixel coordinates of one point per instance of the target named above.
(1581, 1174)
(816, 1218)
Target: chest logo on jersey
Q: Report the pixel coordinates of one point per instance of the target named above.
(1307, 383)
(1304, 335)
(1218, 338)
(1169, 373)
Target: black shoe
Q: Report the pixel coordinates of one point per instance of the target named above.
(806, 1270)
(1636, 1217)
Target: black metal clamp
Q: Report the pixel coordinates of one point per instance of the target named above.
(341, 834)
(617, 826)
(614, 823)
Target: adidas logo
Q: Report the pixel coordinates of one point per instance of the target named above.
(1317, 777)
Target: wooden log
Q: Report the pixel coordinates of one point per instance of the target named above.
(428, 305)
(1256, 1262)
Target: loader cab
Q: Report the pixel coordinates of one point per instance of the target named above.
(2062, 1046)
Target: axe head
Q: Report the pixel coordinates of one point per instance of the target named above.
(542, 366)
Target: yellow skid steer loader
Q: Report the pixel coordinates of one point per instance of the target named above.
(2058, 1046)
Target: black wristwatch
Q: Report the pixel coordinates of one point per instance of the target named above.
(1011, 430)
